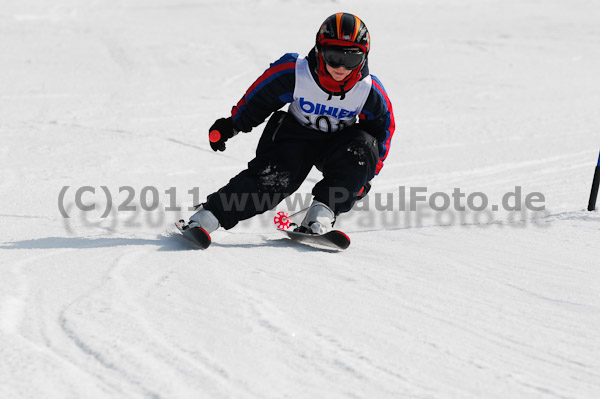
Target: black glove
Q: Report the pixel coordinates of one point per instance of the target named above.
(221, 131)
(363, 191)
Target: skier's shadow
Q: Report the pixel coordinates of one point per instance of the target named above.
(169, 242)
(165, 242)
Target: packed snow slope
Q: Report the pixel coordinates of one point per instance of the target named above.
(488, 96)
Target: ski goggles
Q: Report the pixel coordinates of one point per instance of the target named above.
(349, 58)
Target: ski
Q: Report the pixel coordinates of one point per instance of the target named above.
(197, 235)
(333, 239)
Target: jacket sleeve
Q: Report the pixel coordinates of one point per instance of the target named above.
(377, 119)
(271, 91)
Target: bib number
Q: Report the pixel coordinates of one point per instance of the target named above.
(325, 124)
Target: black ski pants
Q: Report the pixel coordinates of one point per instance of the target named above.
(286, 153)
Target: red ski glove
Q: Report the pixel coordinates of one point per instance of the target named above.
(221, 131)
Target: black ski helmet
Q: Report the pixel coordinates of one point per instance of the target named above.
(344, 29)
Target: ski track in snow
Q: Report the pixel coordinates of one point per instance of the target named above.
(488, 96)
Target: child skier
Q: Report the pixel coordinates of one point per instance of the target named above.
(327, 91)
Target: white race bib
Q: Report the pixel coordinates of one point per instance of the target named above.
(311, 106)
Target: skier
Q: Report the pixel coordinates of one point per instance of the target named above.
(327, 91)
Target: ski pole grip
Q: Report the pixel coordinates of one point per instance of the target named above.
(214, 136)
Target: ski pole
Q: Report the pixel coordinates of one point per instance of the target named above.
(595, 184)
(300, 211)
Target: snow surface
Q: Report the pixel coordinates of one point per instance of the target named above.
(488, 95)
